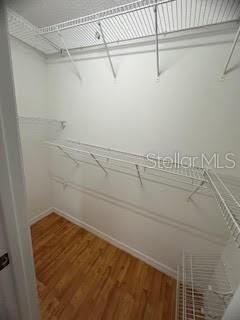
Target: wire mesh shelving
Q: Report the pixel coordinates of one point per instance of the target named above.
(203, 290)
(127, 22)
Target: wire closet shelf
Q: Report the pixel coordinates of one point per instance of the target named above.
(151, 168)
(203, 290)
(107, 158)
(41, 121)
(131, 21)
(227, 202)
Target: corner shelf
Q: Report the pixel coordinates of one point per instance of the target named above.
(203, 290)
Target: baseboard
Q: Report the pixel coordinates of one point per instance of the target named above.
(41, 215)
(138, 254)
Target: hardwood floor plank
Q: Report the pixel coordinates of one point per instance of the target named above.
(82, 277)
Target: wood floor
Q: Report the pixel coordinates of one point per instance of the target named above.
(81, 276)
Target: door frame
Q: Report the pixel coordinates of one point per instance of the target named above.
(13, 190)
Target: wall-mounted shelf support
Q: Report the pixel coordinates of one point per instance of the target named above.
(70, 56)
(107, 50)
(225, 71)
(196, 190)
(156, 37)
(68, 156)
(139, 175)
(100, 165)
(63, 124)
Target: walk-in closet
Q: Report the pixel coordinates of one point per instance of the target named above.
(128, 120)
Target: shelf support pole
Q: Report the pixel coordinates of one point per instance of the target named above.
(225, 71)
(70, 56)
(107, 50)
(68, 155)
(196, 190)
(156, 38)
(100, 165)
(139, 175)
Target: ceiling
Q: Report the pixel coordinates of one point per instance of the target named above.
(42, 13)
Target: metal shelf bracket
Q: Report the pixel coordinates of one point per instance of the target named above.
(195, 190)
(70, 56)
(226, 69)
(139, 175)
(107, 50)
(100, 165)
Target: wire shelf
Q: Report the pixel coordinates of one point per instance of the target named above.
(128, 22)
(137, 21)
(203, 290)
(23, 30)
(143, 165)
(41, 121)
(229, 205)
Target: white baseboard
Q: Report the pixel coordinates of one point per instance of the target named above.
(41, 215)
(138, 254)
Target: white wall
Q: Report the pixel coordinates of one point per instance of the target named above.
(30, 77)
(188, 110)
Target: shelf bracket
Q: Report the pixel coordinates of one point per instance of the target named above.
(70, 56)
(107, 50)
(195, 190)
(156, 39)
(225, 71)
(100, 165)
(63, 124)
(68, 155)
(139, 175)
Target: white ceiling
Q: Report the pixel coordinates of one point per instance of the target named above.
(42, 13)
